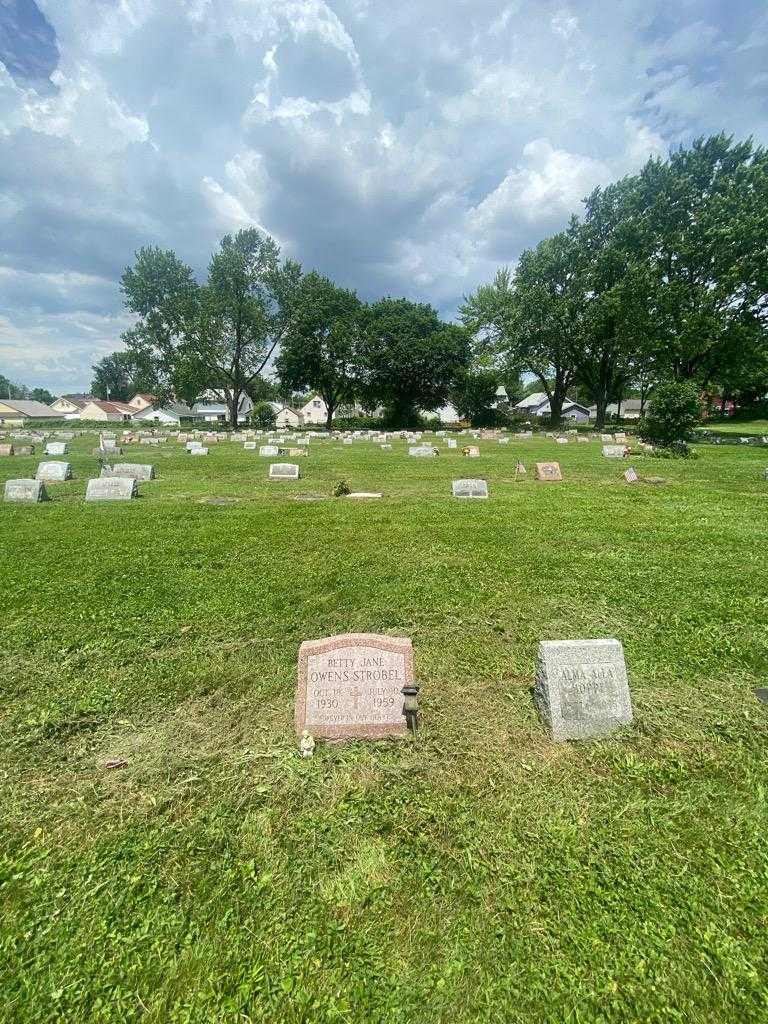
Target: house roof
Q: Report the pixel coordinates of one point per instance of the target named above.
(532, 401)
(147, 398)
(121, 407)
(574, 405)
(29, 408)
(176, 408)
(77, 399)
(214, 407)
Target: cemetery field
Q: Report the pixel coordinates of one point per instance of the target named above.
(480, 872)
(746, 428)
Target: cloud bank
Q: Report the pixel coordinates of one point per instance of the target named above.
(402, 148)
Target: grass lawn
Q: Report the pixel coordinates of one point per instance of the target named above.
(479, 873)
(744, 428)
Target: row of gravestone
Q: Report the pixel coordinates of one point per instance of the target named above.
(352, 686)
(116, 483)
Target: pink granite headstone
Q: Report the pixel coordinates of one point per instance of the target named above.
(349, 686)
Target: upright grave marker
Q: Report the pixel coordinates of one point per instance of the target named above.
(581, 688)
(283, 471)
(549, 471)
(470, 489)
(25, 490)
(134, 470)
(53, 472)
(111, 488)
(613, 451)
(350, 686)
(55, 448)
(6, 449)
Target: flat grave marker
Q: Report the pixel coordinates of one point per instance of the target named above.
(349, 686)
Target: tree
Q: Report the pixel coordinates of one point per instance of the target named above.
(263, 415)
(224, 331)
(673, 414)
(112, 377)
(407, 358)
(530, 320)
(705, 213)
(42, 395)
(320, 346)
(13, 391)
(474, 396)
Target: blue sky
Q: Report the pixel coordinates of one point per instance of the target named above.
(401, 147)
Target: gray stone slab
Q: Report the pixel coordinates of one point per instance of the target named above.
(548, 471)
(111, 488)
(134, 470)
(53, 472)
(55, 448)
(470, 489)
(581, 688)
(349, 686)
(269, 450)
(25, 490)
(283, 471)
(423, 451)
(613, 451)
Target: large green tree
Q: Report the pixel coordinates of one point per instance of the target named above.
(224, 331)
(319, 348)
(407, 358)
(704, 212)
(531, 319)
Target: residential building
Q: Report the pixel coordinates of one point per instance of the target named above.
(288, 417)
(14, 410)
(69, 406)
(315, 412)
(111, 412)
(141, 402)
(630, 409)
(216, 411)
(537, 404)
(172, 413)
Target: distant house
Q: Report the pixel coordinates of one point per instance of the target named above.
(69, 406)
(172, 413)
(17, 411)
(315, 411)
(537, 404)
(446, 414)
(630, 409)
(111, 412)
(141, 402)
(218, 412)
(289, 417)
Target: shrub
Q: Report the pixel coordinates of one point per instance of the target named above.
(263, 415)
(673, 414)
(342, 488)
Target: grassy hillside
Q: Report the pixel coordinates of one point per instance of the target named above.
(479, 873)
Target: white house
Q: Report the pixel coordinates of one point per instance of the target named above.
(173, 413)
(537, 404)
(630, 409)
(217, 411)
(288, 417)
(141, 402)
(112, 412)
(69, 406)
(315, 411)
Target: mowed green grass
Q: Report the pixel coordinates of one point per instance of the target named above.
(745, 428)
(479, 873)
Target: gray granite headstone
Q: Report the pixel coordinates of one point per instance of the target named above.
(470, 489)
(581, 688)
(53, 472)
(422, 451)
(25, 490)
(613, 451)
(134, 470)
(55, 448)
(6, 449)
(283, 471)
(111, 488)
(269, 450)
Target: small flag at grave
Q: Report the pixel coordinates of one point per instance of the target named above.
(631, 476)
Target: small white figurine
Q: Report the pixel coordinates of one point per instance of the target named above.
(307, 744)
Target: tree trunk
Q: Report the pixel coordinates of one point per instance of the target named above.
(330, 410)
(233, 405)
(556, 401)
(602, 405)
